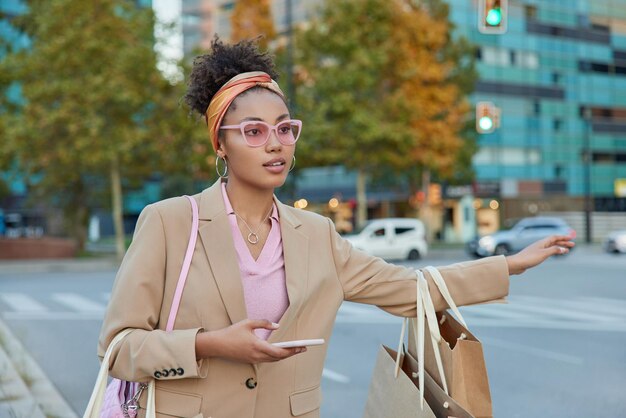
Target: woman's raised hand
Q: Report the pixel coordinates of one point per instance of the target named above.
(239, 342)
(539, 251)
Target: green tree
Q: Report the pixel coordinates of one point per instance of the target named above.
(352, 116)
(382, 86)
(94, 104)
(251, 19)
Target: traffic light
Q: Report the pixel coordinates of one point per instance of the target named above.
(487, 117)
(492, 16)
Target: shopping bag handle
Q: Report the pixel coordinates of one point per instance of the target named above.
(443, 289)
(97, 397)
(425, 312)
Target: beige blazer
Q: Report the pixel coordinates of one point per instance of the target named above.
(322, 270)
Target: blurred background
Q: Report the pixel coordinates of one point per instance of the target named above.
(469, 115)
(489, 124)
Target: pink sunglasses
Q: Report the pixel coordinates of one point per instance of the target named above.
(256, 133)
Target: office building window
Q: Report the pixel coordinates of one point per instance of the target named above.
(557, 124)
(530, 12)
(502, 57)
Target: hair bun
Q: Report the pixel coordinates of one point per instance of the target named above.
(211, 71)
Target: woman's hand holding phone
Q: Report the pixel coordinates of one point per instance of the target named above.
(239, 342)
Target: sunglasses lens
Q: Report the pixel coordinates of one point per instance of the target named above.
(288, 132)
(255, 133)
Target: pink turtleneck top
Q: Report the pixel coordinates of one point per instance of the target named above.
(263, 279)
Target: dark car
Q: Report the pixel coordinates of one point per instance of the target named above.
(523, 233)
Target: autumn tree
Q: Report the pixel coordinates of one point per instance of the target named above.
(432, 73)
(94, 105)
(352, 116)
(380, 89)
(251, 19)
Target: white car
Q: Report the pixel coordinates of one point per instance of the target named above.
(616, 242)
(391, 238)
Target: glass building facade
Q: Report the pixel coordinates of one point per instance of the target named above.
(559, 77)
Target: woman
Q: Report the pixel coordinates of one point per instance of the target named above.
(262, 272)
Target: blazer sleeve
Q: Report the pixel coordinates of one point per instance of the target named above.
(136, 300)
(367, 279)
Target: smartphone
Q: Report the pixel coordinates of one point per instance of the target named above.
(299, 343)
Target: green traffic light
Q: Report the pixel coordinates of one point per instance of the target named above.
(494, 17)
(485, 123)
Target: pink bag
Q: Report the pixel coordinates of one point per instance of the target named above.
(120, 399)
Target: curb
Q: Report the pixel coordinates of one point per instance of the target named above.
(53, 266)
(25, 390)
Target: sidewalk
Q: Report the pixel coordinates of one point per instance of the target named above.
(25, 391)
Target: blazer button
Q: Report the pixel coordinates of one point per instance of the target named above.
(165, 373)
(180, 371)
(173, 372)
(251, 383)
(157, 375)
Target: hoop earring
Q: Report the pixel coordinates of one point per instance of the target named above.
(221, 175)
(293, 164)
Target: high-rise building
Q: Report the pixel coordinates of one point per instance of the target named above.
(198, 17)
(301, 11)
(557, 75)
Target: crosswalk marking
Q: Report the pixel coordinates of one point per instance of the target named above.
(584, 313)
(539, 352)
(22, 302)
(77, 302)
(334, 376)
(531, 311)
(54, 316)
(501, 312)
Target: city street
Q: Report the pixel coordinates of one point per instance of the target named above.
(555, 350)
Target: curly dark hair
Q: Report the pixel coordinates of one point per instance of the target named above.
(211, 71)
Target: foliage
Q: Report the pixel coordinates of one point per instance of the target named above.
(251, 19)
(386, 90)
(93, 100)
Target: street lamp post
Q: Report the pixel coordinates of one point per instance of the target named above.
(587, 173)
(290, 81)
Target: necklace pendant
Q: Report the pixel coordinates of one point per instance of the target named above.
(253, 238)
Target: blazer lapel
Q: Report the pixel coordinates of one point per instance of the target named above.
(296, 255)
(217, 239)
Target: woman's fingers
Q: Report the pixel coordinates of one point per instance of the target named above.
(559, 244)
(261, 323)
(274, 353)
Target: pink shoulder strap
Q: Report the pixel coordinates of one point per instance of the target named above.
(184, 271)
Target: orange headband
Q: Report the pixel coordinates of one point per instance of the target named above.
(229, 92)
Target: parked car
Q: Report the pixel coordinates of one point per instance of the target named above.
(615, 242)
(524, 232)
(392, 238)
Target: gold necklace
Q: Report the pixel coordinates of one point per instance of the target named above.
(253, 237)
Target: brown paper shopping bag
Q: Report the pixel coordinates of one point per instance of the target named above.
(392, 396)
(462, 357)
(442, 405)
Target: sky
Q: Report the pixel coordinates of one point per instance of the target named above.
(170, 47)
